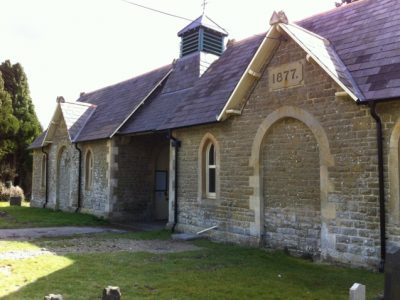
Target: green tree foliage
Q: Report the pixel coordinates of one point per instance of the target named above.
(28, 126)
(9, 124)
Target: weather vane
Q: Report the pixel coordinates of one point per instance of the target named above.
(204, 6)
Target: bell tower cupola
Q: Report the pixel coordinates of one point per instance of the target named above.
(202, 35)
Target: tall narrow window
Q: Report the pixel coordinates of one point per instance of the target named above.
(88, 170)
(210, 171)
(43, 171)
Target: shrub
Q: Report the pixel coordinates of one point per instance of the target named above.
(7, 192)
(7, 173)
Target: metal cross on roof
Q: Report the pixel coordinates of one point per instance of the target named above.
(204, 6)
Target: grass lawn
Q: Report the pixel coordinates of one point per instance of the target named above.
(216, 271)
(25, 216)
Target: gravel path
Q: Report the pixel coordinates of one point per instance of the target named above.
(32, 233)
(85, 245)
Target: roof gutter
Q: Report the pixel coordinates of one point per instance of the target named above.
(382, 209)
(46, 178)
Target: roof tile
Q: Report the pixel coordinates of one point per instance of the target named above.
(367, 30)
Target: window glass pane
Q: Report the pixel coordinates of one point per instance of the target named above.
(211, 180)
(161, 181)
(211, 156)
(43, 170)
(88, 170)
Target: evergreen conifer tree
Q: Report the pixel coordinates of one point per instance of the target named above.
(16, 84)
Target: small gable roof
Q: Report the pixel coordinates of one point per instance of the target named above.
(205, 22)
(74, 114)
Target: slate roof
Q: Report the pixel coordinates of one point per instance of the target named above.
(323, 52)
(76, 115)
(210, 93)
(117, 102)
(366, 36)
(363, 51)
(153, 113)
(37, 143)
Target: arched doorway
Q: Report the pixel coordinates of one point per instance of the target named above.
(256, 180)
(394, 175)
(63, 179)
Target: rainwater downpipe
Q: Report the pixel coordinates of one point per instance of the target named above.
(79, 177)
(382, 210)
(176, 144)
(46, 199)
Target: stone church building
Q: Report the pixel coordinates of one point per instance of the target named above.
(288, 139)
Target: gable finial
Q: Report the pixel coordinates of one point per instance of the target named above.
(278, 17)
(60, 99)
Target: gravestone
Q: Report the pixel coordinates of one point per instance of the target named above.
(15, 201)
(111, 293)
(392, 274)
(357, 292)
(53, 297)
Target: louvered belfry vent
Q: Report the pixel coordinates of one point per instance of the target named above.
(202, 34)
(190, 43)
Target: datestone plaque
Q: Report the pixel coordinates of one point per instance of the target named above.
(286, 76)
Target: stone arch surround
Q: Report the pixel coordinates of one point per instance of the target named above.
(328, 210)
(208, 137)
(62, 177)
(394, 180)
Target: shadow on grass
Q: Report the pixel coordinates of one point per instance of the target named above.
(215, 272)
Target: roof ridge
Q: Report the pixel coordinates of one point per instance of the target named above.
(249, 38)
(332, 10)
(79, 103)
(308, 31)
(170, 65)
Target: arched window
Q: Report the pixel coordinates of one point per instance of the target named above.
(43, 171)
(208, 170)
(211, 172)
(88, 170)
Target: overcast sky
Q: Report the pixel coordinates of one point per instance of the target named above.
(72, 46)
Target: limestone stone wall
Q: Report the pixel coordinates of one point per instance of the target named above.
(291, 193)
(95, 199)
(63, 168)
(38, 190)
(63, 173)
(342, 182)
